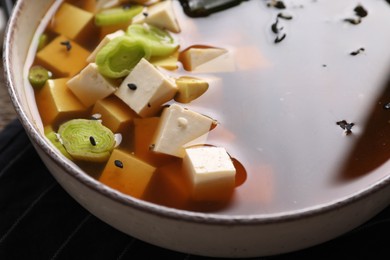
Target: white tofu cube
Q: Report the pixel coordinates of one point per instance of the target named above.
(89, 85)
(91, 58)
(211, 173)
(160, 15)
(179, 126)
(146, 89)
(193, 57)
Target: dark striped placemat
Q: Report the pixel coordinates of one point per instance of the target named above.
(39, 220)
(7, 112)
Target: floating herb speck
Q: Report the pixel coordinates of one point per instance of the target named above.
(279, 39)
(354, 53)
(353, 21)
(360, 11)
(285, 16)
(274, 27)
(280, 5)
(277, 4)
(346, 126)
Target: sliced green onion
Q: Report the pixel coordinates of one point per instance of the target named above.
(120, 55)
(55, 140)
(37, 76)
(43, 41)
(117, 15)
(77, 136)
(159, 41)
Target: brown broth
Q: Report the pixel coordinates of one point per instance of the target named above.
(278, 104)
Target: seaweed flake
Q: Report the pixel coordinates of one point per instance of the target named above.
(346, 126)
(274, 27)
(354, 53)
(277, 4)
(353, 21)
(285, 16)
(360, 11)
(279, 39)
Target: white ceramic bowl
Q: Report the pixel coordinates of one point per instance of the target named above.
(196, 233)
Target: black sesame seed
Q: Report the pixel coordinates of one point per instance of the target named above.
(145, 14)
(132, 86)
(67, 44)
(118, 163)
(92, 140)
(149, 105)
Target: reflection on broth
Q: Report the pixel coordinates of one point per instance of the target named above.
(286, 78)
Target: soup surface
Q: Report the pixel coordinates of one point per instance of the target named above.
(301, 98)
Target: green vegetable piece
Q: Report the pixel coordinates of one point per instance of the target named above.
(38, 76)
(53, 138)
(42, 41)
(159, 41)
(87, 140)
(118, 57)
(117, 15)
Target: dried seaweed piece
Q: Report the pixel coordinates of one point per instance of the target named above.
(281, 38)
(346, 126)
(360, 11)
(67, 44)
(353, 21)
(274, 27)
(277, 4)
(354, 53)
(285, 16)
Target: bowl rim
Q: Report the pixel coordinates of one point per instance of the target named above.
(145, 206)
